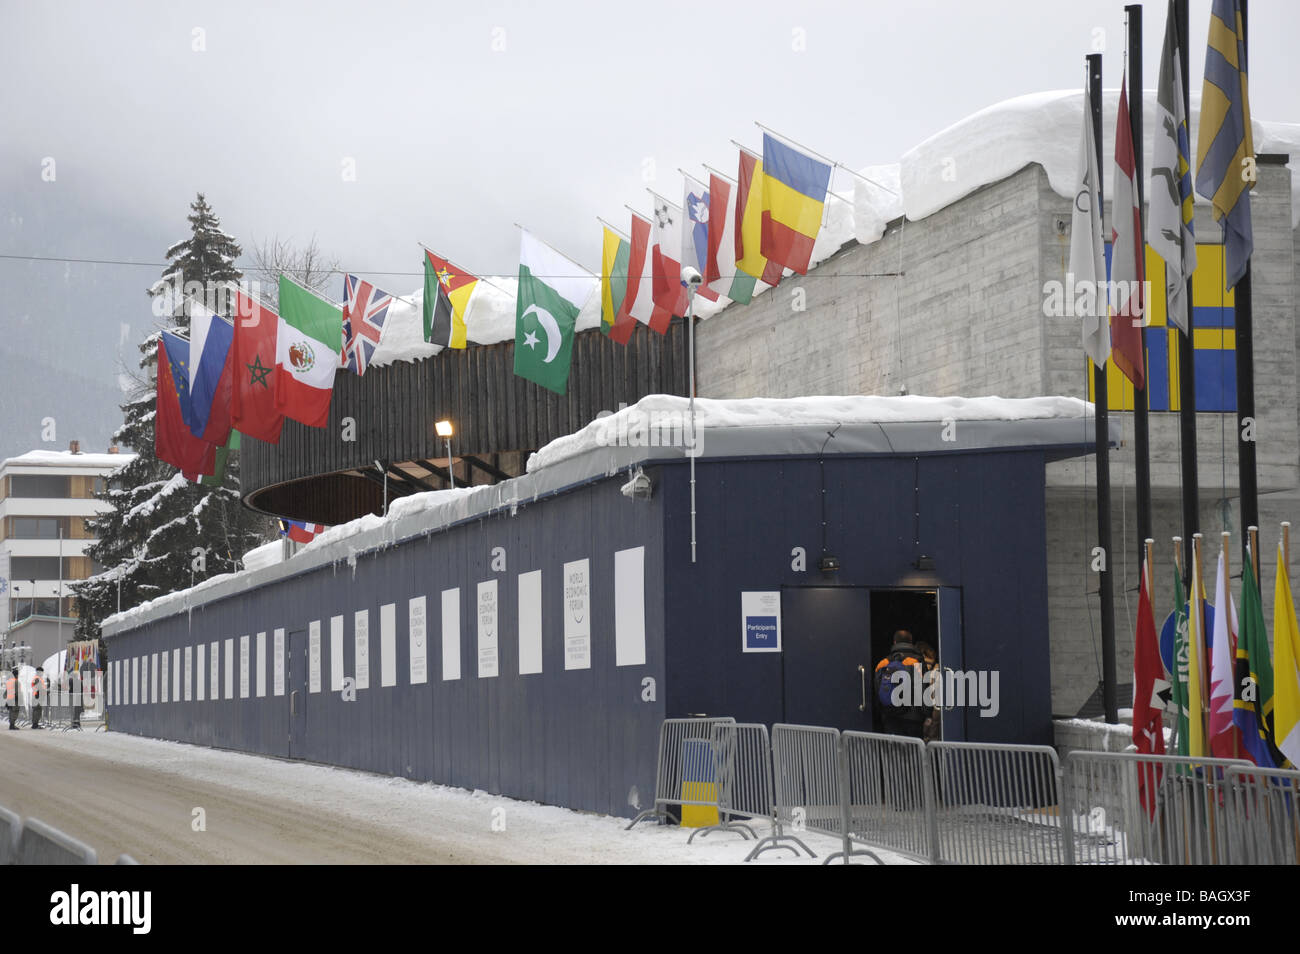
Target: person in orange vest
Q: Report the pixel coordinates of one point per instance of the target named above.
(11, 698)
(39, 689)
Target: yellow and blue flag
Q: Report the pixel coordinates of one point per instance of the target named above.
(794, 195)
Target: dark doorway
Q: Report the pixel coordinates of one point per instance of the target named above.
(913, 610)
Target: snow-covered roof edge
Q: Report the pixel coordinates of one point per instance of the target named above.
(44, 458)
(760, 427)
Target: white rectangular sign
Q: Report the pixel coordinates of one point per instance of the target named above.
(760, 621)
(415, 626)
(361, 634)
(245, 654)
(230, 667)
(336, 653)
(189, 673)
(487, 629)
(388, 644)
(261, 664)
(629, 607)
(277, 656)
(577, 615)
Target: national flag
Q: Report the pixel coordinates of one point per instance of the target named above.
(720, 272)
(173, 442)
(1253, 681)
(459, 285)
(1087, 251)
(439, 316)
(695, 232)
(669, 292)
(364, 309)
(1223, 144)
(1224, 741)
(1169, 199)
(211, 338)
(1128, 252)
(749, 222)
(794, 197)
(1148, 703)
(639, 303)
(306, 354)
(1196, 744)
(615, 253)
(1286, 652)
(1179, 694)
(252, 395)
(299, 531)
(218, 476)
(552, 290)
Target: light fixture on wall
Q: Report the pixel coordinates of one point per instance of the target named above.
(639, 487)
(828, 563)
(924, 562)
(444, 431)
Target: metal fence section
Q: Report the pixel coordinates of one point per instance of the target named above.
(41, 844)
(1264, 816)
(808, 784)
(685, 749)
(889, 798)
(1127, 808)
(996, 804)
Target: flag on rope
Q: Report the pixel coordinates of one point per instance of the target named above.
(1253, 678)
(614, 255)
(639, 303)
(669, 292)
(211, 338)
(308, 343)
(459, 286)
(1196, 746)
(252, 395)
(1087, 255)
(300, 532)
(794, 197)
(1178, 696)
(1127, 266)
(552, 290)
(364, 309)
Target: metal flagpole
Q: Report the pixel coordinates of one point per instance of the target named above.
(614, 229)
(1244, 348)
(465, 270)
(768, 129)
(690, 347)
(1186, 359)
(1142, 398)
(868, 179)
(586, 273)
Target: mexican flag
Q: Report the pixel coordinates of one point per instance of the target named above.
(552, 290)
(307, 351)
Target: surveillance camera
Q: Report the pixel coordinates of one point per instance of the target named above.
(690, 276)
(639, 487)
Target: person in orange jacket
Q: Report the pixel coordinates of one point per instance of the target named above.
(11, 698)
(39, 688)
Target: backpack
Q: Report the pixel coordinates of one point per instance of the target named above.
(895, 662)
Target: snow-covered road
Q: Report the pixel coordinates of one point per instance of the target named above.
(124, 794)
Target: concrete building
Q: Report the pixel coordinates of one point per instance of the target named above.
(46, 497)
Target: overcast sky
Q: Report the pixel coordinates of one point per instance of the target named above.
(460, 119)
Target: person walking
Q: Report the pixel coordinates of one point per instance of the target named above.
(898, 686)
(11, 698)
(38, 696)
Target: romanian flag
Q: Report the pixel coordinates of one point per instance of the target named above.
(749, 222)
(794, 195)
(1286, 650)
(616, 252)
(459, 286)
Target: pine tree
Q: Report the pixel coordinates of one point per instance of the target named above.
(146, 542)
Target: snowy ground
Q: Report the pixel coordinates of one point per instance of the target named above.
(121, 793)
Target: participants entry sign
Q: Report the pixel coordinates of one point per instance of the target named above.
(760, 621)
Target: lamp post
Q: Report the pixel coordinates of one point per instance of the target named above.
(444, 431)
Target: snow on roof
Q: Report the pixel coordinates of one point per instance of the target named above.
(44, 458)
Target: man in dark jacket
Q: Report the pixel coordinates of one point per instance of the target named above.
(904, 658)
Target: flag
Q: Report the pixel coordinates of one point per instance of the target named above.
(211, 337)
(552, 290)
(1148, 684)
(695, 232)
(1223, 739)
(459, 286)
(669, 292)
(252, 394)
(720, 271)
(1169, 199)
(1223, 143)
(1196, 746)
(749, 222)
(615, 253)
(439, 315)
(794, 197)
(218, 476)
(1253, 682)
(364, 309)
(1286, 652)
(309, 341)
(299, 531)
(1087, 254)
(173, 442)
(639, 303)
(1179, 695)
(1128, 251)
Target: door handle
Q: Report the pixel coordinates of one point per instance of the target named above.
(293, 702)
(862, 674)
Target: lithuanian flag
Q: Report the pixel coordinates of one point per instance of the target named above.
(459, 286)
(616, 252)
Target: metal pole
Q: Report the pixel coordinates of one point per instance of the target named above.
(450, 469)
(690, 358)
(1141, 399)
(1245, 353)
(59, 593)
(1186, 360)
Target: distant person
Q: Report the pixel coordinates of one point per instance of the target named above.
(75, 684)
(11, 698)
(38, 696)
(896, 682)
(932, 726)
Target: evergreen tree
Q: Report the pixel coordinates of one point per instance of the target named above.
(146, 542)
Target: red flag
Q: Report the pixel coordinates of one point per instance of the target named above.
(172, 439)
(252, 405)
(1127, 268)
(1148, 705)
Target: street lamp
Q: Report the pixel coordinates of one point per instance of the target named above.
(444, 431)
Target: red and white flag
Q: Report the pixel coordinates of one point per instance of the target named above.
(1127, 268)
(669, 292)
(639, 302)
(1149, 688)
(1224, 741)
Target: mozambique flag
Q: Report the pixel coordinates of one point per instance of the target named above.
(1253, 676)
(794, 196)
(1224, 143)
(459, 285)
(616, 252)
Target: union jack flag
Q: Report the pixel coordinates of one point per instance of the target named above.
(364, 309)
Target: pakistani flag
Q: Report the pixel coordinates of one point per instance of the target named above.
(552, 290)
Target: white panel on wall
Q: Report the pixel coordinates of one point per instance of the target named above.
(245, 652)
(629, 607)
(162, 677)
(189, 673)
(313, 657)
(200, 681)
(530, 622)
(261, 665)
(451, 634)
(388, 644)
(361, 640)
(418, 637)
(135, 680)
(176, 674)
(214, 676)
(488, 630)
(278, 655)
(336, 653)
(153, 678)
(230, 667)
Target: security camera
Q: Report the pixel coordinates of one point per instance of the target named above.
(690, 276)
(639, 487)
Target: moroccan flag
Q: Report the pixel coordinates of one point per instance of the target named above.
(720, 271)
(459, 285)
(615, 253)
(307, 349)
(794, 196)
(1286, 651)
(639, 303)
(1127, 268)
(1148, 705)
(252, 396)
(1253, 683)
(172, 439)
(552, 290)
(669, 292)
(1179, 692)
(695, 232)
(1223, 142)
(1087, 255)
(750, 258)
(1223, 737)
(1169, 199)
(1196, 744)
(211, 338)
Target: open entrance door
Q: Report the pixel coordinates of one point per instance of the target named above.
(826, 656)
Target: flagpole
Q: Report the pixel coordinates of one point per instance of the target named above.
(798, 145)
(1101, 428)
(1286, 544)
(477, 276)
(1173, 672)
(720, 175)
(744, 149)
(613, 229)
(858, 175)
(1245, 355)
(1253, 542)
(1187, 351)
(564, 255)
(312, 291)
(1198, 645)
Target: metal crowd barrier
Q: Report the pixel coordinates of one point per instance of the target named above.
(996, 804)
(889, 799)
(809, 789)
(1264, 816)
(684, 749)
(1127, 808)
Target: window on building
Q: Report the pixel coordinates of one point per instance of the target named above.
(38, 528)
(38, 485)
(99, 485)
(35, 568)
